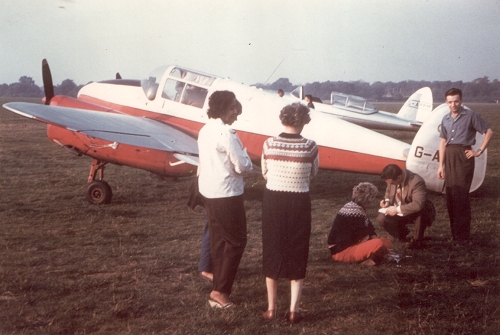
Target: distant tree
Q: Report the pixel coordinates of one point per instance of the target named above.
(378, 89)
(67, 87)
(495, 96)
(24, 88)
(3, 90)
(282, 83)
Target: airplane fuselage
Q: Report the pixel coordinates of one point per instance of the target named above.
(342, 145)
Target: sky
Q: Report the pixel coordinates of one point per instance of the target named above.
(252, 41)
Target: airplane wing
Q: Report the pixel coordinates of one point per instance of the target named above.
(113, 127)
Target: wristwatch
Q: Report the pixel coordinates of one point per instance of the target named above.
(480, 151)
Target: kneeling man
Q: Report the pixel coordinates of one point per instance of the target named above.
(404, 203)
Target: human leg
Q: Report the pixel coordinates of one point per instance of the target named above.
(205, 266)
(227, 226)
(374, 249)
(296, 293)
(418, 233)
(272, 294)
(459, 171)
(394, 225)
(462, 213)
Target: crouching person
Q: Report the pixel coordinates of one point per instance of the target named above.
(405, 202)
(352, 238)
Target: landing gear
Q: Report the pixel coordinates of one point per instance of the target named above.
(98, 192)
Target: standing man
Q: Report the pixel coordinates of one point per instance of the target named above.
(456, 161)
(405, 202)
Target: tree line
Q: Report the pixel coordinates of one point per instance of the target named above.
(478, 90)
(27, 88)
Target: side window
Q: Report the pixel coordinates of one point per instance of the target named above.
(194, 96)
(173, 90)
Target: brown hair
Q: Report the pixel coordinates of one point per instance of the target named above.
(364, 193)
(295, 115)
(453, 91)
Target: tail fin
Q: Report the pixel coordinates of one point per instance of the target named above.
(423, 157)
(418, 107)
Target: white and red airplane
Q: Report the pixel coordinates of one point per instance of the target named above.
(153, 125)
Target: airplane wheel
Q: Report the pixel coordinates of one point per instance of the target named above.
(99, 193)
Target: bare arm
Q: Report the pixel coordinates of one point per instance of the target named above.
(486, 140)
(442, 149)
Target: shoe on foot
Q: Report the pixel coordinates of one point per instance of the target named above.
(269, 314)
(207, 275)
(219, 300)
(295, 317)
(215, 304)
(369, 262)
(415, 244)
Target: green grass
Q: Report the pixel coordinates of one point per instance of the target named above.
(67, 267)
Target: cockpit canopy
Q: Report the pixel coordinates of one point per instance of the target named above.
(181, 85)
(352, 103)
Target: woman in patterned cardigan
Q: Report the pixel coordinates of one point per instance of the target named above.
(352, 238)
(289, 161)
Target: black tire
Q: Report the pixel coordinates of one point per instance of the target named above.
(99, 192)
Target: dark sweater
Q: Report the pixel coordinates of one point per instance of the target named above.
(349, 226)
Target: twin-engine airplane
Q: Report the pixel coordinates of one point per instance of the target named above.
(153, 124)
(360, 111)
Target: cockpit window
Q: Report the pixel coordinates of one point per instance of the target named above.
(150, 87)
(191, 76)
(352, 102)
(173, 90)
(187, 94)
(194, 96)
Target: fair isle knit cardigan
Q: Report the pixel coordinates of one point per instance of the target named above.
(289, 161)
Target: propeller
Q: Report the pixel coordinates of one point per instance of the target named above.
(118, 76)
(47, 82)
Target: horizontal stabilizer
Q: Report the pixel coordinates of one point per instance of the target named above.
(113, 127)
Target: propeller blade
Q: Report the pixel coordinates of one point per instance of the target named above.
(118, 76)
(47, 82)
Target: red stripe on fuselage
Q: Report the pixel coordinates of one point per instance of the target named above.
(329, 158)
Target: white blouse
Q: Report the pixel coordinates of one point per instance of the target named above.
(222, 160)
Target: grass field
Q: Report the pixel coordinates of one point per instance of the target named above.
(67, 267)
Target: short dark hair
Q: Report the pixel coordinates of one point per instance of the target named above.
(280, 91)
(310, 97)
(295, 115)
(453, 91)
(391, 171)
(219, 102)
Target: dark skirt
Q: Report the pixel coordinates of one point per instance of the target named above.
(286, 229)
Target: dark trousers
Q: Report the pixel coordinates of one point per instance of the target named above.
(228, 237)
(396, 225)
(205, 264)
(459, 172)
